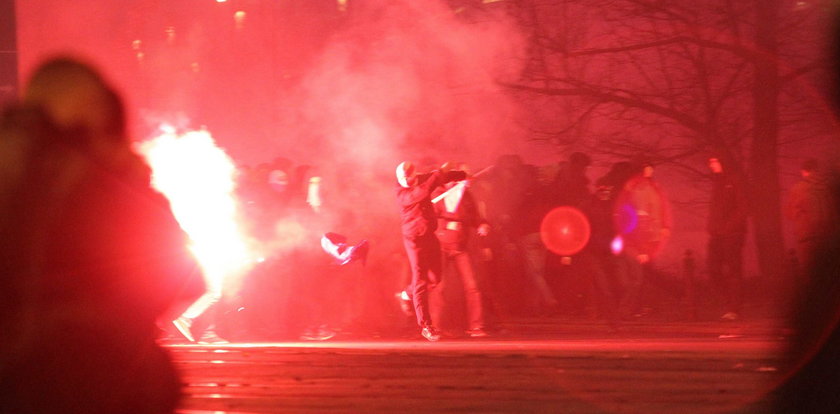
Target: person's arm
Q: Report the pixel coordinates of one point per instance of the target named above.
(453, 175)
(426, 184)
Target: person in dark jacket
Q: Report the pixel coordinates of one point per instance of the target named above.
(93, 255)
(727, 227)
(419, 222)
(810, 207)
(458, 216)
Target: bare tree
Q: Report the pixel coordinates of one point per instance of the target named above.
(680, 80)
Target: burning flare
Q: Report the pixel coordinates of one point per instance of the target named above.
(198, 178)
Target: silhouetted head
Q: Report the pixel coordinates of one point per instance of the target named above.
(76, 97)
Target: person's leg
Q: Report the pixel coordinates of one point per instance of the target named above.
(425, 261)
(439, 308)
(534, 256)
(418, 288)
(472, 291)
(201, 306)
(734, 273)
(716, 258)
(598, 267)
(631, 301)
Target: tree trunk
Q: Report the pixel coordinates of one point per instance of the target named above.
(764, 169)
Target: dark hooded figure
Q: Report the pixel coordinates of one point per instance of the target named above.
(92, 255)
(727, 227)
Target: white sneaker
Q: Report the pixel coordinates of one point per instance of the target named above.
(729, 316)
(430, 333)
(183, 326)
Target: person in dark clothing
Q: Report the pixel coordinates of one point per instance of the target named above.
(597, 257)
(458, 214)
(570, 188)
(418, 222)
(93, 256)
(727, 227)
(537, 200)
(571, 185)
(810, 209)
(501, 193)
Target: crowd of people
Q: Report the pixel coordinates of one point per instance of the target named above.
(475, 252)
(99, 260)
(504, 207)
(496, 240)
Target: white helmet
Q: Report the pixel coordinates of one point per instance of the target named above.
(405, 172)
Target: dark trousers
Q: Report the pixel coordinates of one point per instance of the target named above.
(605, 279)
(640, 278)
(725, 265)
(461, 260)
(425, 263)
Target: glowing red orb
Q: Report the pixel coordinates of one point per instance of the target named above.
(565, 231)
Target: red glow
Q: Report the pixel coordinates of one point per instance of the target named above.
(565, 231)
(617, 245)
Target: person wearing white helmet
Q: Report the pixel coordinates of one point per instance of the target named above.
(419, 222)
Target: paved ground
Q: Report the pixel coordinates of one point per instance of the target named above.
(535, 366)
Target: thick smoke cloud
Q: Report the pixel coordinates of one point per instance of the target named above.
(367, 85)
(351, 91)
(411, 78)
(302, 79)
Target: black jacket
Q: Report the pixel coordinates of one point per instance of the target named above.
(417, 215)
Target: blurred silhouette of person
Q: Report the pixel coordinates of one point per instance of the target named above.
(458, 216)
(644, 222)
(814, 353)
(500, 193)
(93, 255)
(597, 257)
(571, 185)
(689, 270)
(535, 202)
(727, 227)
(418, 222)
(813, 358)
(810, 208)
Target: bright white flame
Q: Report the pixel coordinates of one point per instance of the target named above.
(198, 178)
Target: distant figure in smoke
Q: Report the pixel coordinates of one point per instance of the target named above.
(644, 222)
(418, 229)
(93, 255)
(536, 202)
(815, 349)
(810, 208)
(727, 228)
(602, 265)
(571, 185)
